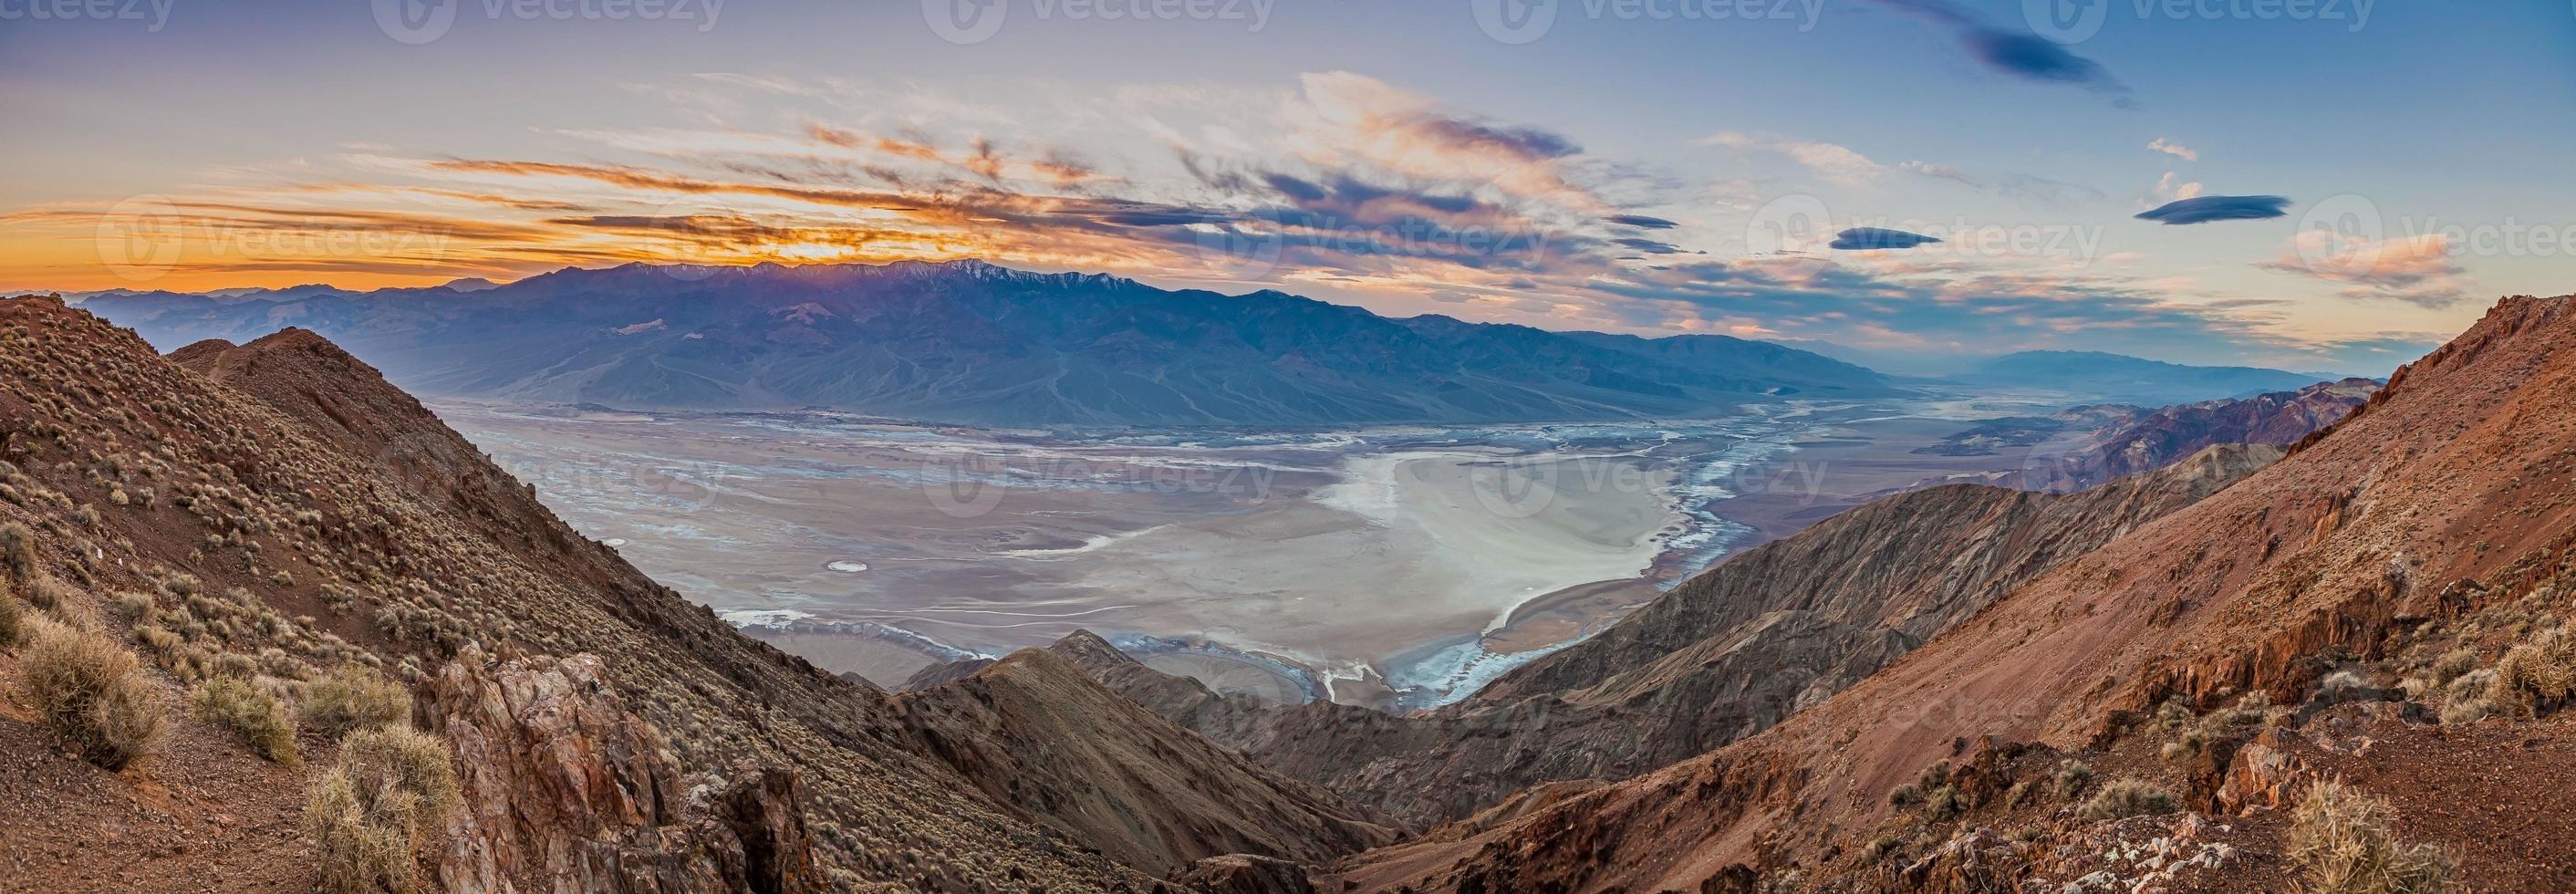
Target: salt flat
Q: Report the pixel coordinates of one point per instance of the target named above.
(1397, 566)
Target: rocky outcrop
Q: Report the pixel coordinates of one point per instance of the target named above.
(2265, 773)
(566, 791)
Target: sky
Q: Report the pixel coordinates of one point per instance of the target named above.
(2318, 185)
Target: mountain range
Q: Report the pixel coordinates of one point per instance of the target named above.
(970, 342)
(2080, 447)
(2117, 378)
(973, 343)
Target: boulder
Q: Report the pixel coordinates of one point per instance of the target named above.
(566, 791)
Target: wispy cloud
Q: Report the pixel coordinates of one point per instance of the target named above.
(2174, 149)
(2419, 270)
(1836, 163)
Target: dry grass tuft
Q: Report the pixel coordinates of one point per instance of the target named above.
(2071, 778)
(2541, 670)
(17, 551)
(2339, 837)
(355, 697)
(368, 816)
(2126, 798)
(93, 694)
(254, 715)
(13, 618)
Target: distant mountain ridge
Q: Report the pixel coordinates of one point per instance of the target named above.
(2080, 447)
(970, 342)
(2119, 378)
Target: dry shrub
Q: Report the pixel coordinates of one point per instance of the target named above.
(2071, 778)
(355, 697)
(367, 817)
(257, 717)
(2340, 839)
(13, 619)
(17, 551)
(2126, 798)
(92, 693)
(2542, 669)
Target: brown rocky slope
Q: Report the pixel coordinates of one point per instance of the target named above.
(2453, 491)
(274, 510)
(1033, 732)
(1722, 656)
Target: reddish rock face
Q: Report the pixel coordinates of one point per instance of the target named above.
(563, 783)
(2265, 773)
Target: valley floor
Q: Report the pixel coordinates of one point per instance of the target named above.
(1399, 566)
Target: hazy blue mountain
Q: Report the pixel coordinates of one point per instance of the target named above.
(970, 342)
(2117, 378)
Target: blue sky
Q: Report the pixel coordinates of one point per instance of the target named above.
(1632, 166)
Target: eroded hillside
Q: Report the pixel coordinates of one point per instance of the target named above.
(258, 519)
(2312, 621)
